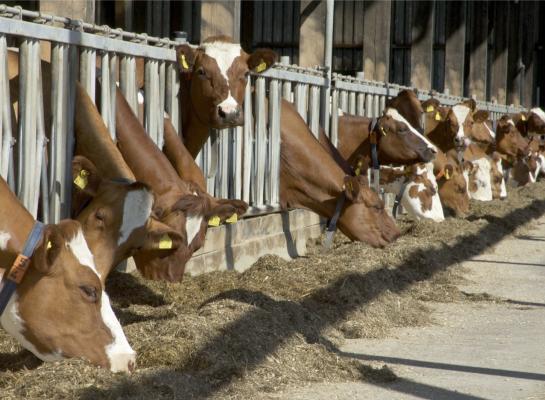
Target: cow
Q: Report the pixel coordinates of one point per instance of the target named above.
(59, 309)
(415, 188)
(212, 86)
(452, 185)
(182, 205)
(398, 142)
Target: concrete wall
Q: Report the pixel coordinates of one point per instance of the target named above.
(220, 18)
(238, 246)
(77, 9)
(312, 33)
(376, 39)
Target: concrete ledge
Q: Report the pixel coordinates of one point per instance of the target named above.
(238, 246)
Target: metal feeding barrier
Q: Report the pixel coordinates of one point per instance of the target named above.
(241, 163)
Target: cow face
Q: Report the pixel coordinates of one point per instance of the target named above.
(481, 132)
(509, 141)
(364, 218)
(460, 123)
(218, 71)
(453, 189)
(478, 179)
(421, 194)
(117, 218)
(399, 142)
(60, 309)
(499, 190)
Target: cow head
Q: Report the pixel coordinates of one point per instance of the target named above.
(478, 178)
(407, 104)
(509, 141)
(453, 189)
(364, 217)
(399, 142)
(481, 132)
(117, 217)
(499, 190)
(60, 309)
(218, 70)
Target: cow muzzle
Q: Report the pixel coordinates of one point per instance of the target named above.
(229, 111)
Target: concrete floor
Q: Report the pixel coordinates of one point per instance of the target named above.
(474, 351)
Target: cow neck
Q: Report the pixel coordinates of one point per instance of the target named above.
(143, 157)
(310, 177)
(194, 131)
(16, 221)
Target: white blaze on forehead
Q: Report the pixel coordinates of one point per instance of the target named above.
(223, 53)
(4, 239)
(492, 133)
(13, 324)
(460, 111)
(394, 114)
(119, 352)
(136, 211)
(539, 112)
(192, 227)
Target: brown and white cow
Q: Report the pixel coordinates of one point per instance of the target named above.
(180, 204)
(417, 188)
(398, 141)
(60, 309)
(310, 177)
(213, 82)
(452, 185)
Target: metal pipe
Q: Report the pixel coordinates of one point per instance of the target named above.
(328, 59)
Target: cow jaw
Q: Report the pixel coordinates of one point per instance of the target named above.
(120, 354)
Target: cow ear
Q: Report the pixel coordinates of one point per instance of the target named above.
(471, 103)
(261, 60)
(161, 237)
(352, 187)
(85, 176)
(47, 252)
(448, 171)
(185, 55)
(480, 116)
(430, 105)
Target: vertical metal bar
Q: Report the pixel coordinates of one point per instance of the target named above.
(161, 87)
(328, 58)
(382, 105)
(287, 92)
(88, 71)
(260, 142)
(223, 164)
(369, 105)
(334, 132)
(24, 71)
(105, 88)
(376, 106)
(114, 64)
(40, 136)
(361, 104)
(274, 143)
(248, 144)
(344, 101)
(5, 113)
(314, 110)
(172, 96)
(300, 100)
(352, 103)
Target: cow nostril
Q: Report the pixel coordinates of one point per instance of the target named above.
(221, 113)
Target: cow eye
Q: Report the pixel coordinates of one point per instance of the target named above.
(201, 72)
(89, 293)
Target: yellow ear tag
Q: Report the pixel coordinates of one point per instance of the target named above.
(165, 242)
(349, 185)
(429, 109)
(437, 116)
(232, 219)
(447, 175)
(49, 245)
(382, 131)
(81, 180)
(183, 61)
(214, 221)
(523, 117)
(262, 66)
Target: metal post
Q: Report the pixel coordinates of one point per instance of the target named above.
(260, 142)
(274, 143)
(248, 144)
(5, 113)
(328, 58)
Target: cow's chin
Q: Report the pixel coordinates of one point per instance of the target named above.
(168, 268)
(426, 155)
(222, 123)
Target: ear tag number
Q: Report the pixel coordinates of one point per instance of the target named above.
(232, 219)
(183, 61)
(82, 179)
(429, 109)
(437, 116)
(214, 221)
(165, 242)
(262, 66)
